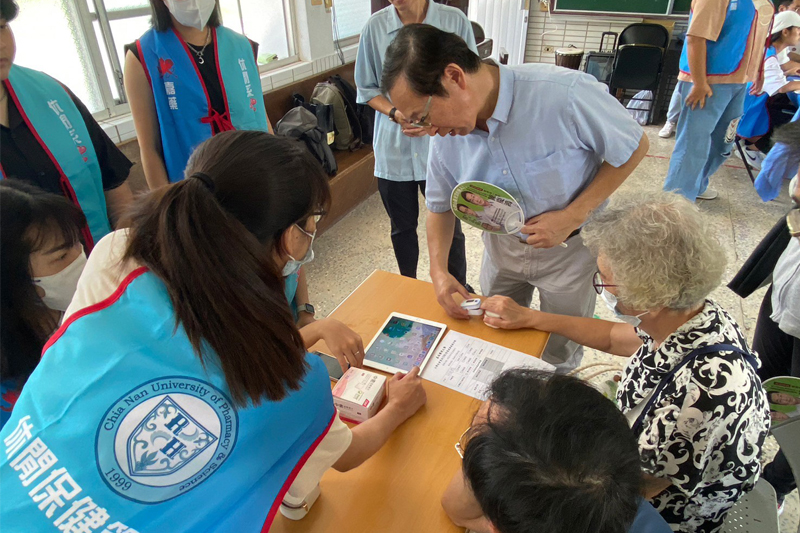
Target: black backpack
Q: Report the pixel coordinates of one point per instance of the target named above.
(362, 118)
(299, 123)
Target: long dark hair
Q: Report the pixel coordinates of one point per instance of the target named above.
(29, 218)
(211, 242)
(161, 20)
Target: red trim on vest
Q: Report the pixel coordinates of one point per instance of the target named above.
(300, 464)
(95, 307)
(143, 62)
(211, 111)
(219, 73)
(66, 186)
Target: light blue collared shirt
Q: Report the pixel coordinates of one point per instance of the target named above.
(397, 157)
(551, 129)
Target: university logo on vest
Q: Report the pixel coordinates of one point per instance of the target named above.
(164, 438)
(62, 116)
(165, 67)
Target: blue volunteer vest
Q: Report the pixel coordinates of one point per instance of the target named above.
(184, 111)
(58, 126)
(755, 119)
(725, 55)
(290, 289)
(121, 416)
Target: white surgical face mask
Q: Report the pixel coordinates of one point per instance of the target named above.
(194, 13)
(60, 288)
(294, 264)
(611, 302)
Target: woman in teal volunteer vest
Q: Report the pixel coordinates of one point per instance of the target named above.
(187, 79)
(40, 244)
(50, 139)
(178, 395)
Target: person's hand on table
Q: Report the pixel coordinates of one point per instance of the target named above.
(512, 315)
(550, 229)
(698, 94)
(445, 286)
(405, 394)
(344, 343)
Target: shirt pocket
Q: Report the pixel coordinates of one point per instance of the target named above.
(557, 177)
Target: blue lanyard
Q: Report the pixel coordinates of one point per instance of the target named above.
(749, 357)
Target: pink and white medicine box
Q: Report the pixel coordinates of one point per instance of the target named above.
(358, 394)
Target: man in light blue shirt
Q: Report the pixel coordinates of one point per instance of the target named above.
(552, 137)
(401, 150)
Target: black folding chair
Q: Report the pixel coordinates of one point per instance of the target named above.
(644, 33)
(485, 46)
(637, 67)
(638, 62)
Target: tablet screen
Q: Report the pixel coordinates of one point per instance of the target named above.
(403, 344)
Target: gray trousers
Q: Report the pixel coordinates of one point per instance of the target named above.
(563, 277)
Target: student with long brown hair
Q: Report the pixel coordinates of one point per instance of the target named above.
(179, 377)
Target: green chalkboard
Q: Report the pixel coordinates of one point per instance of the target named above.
(639, 7)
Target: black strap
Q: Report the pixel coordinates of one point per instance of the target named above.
(749, 357)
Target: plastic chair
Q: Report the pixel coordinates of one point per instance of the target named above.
(637, 67)
(485, 46)
(755, 512)
(788, 436)
(643, 33)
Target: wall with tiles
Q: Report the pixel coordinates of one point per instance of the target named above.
(560, 31)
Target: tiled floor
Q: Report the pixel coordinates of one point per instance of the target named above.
(360, 243)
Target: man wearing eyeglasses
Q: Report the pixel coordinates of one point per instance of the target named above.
(401, 148)
(551, 137)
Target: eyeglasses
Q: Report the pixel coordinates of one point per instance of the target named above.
(598, 284)
(461, 445)
(423, 122)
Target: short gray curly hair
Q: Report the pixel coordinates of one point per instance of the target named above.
(659, 248)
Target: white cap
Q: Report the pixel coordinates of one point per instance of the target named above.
(785, 19)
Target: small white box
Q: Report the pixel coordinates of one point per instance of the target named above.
(358, 394)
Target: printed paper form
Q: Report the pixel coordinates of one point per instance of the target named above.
(469, 365)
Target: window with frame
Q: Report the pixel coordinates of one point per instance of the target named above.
(81, 43)
(349, 18)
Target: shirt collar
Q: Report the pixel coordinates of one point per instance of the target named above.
(505, 94)
(432, 17)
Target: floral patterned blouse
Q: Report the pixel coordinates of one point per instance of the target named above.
(706, 429)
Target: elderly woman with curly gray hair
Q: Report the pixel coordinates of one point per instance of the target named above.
(690, 389)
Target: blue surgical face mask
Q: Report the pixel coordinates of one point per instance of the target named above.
(611, 302)
(293, 265)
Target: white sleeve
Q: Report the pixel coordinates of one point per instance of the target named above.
(103, 273)
(774, 78)
(328, 452)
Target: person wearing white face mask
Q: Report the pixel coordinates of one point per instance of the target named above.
(179, 393)
(690, 387)
(42, 261)
(187, 79)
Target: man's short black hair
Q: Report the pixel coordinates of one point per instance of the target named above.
(420, 53)
(161, 21)
(554, 456)
(8, 10)
(786, 3)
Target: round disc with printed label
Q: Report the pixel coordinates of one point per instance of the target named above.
(164, 438)
(487, 207)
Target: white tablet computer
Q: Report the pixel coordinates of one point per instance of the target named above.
(403, 343)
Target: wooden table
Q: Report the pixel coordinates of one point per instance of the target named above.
(399, 489)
